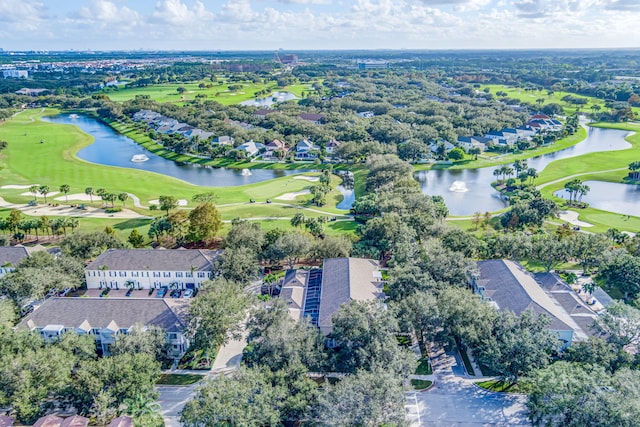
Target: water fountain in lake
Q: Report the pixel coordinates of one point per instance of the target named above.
(458, 187)
(139, 158)
(246, 172)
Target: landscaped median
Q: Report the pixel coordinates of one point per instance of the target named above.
(501, 386)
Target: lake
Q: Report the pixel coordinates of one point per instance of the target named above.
(467, 191)
(268, 101)
(611, 197)
(113, 149)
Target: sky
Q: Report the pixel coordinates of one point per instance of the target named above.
(317, 24)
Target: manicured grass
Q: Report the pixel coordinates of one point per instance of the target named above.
(219, 93)
(424, 367)
(502, 386)
(179, 379)
(556, 98)
(421, 384)
(587, 168)
(54, 162)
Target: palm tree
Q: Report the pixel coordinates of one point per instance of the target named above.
(44, 190)
(34, 190)
(497, 172)
(123, 197)
(533, 174)
(64, 188)
(89, 192)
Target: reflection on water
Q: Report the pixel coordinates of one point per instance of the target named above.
(268, 101)
(113, 149)
(611, 196)
(481, 197)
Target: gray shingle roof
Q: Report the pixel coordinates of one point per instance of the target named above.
(12, 255)
(518, 294)
(155, 260)
(87, 313)
(345, 280)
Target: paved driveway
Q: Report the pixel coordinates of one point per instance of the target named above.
(172, 399)
(455, 402)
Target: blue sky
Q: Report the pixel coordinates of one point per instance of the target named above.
(317, 24)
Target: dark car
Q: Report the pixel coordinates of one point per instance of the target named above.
(268, 200)
(129, 292)
(162, 292)
(26, 310)
(176, 293)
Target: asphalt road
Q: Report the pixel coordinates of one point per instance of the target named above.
(454, 401)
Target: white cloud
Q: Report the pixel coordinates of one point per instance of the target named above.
(174, 12)
(106, 12)
(22, 14)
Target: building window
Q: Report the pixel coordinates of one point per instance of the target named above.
(201, 274)
(188, 274)
(178, 274)
(167, 274)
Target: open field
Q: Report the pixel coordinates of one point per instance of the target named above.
(555, 98)
(45, 153)
(218, 92)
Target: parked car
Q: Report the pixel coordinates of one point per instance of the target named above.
(176, 293)
(52, 292)
(26, 310)
(129, 292)
(64, 292)
(188, 293)
(162, 292)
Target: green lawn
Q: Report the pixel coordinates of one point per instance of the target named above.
(501, 386)
(421, 384)
(218, 92)
(179, 379)
(556, 98)
(424, 367)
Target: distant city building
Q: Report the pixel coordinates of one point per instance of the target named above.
(289, 59)
(30, 92)
(15, 74)
(372, 64)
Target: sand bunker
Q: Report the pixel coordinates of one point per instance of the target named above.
(181, 202)
(292, 196)
(307, 178)
(572, 218)
(17, 187)
(89, 212)
(78, 196)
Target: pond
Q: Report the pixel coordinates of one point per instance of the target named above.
(268, 101)
(469, 190)
(611, 197)
(113, 149)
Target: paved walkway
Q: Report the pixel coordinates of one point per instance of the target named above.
(454, 401)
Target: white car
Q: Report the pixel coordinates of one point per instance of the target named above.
(188, 293)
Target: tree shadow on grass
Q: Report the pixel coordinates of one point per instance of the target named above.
(132, 223)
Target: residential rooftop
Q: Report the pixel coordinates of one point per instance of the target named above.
(102, 313)
(155, 260)
(12, 255)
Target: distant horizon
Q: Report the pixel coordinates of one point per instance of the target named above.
(264, 25)
(294, 50)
